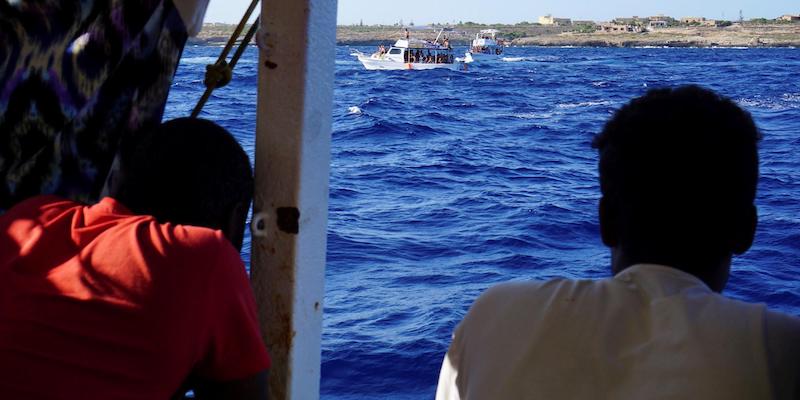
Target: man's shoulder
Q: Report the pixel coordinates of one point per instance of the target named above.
(159, 241)
(507, 314)
(199, 243)
(782, 337)
(194, 236)
(538, 289)
(783, 331)
(38, 205)
(112, 221)
(513, 297)
(26, 220)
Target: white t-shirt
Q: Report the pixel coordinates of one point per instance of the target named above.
(651, 332)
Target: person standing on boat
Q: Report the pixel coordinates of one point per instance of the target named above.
(678, 173)
(143, 294)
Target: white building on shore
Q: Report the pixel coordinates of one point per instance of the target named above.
(553, 21)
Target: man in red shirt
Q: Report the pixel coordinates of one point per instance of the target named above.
(142, 295)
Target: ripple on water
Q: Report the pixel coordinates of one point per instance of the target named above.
(444, 183)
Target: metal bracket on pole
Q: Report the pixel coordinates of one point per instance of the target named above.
(297, 41)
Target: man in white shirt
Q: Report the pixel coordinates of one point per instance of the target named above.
(678, 172)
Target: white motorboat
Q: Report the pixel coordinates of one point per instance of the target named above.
(414, 54)
(486, 44)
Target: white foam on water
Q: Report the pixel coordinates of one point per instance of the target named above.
(535, 59)
(199, 60)
(766, 104)
(792, 97)
(534, 115)
(354, 110)
(585, 104)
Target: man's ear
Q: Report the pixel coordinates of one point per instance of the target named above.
(745, 230)
(609, 222)
(235, 225)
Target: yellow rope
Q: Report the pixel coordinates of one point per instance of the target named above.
(220, 73)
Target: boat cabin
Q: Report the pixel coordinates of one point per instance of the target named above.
(420, 51)
(486, 43)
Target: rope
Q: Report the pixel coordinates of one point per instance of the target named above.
(220, 73)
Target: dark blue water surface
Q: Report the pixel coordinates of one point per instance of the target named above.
(444, 183)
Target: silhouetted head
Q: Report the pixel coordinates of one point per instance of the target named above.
(185, 171)
(678, 174)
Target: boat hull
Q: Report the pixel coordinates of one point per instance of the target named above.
(372, 64)
(486, 56)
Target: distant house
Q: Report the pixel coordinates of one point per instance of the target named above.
(553, 21)
(588, 25)
(701, 21)
(789, 18)
(669, 20)
(657, 24)
(630, 21)
(618, 28)
(693, 20)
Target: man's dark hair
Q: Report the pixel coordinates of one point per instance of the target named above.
(679, 169)
(185, 171)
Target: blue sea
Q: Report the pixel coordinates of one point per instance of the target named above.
(444, 183)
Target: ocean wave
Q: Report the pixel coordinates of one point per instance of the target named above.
(199, 60)
(542, 115)
(440, 188)
(543, 59)
(791, 97)
(585, 104)
(772, 104)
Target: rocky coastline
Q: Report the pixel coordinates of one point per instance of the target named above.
(734, 36)
(737, 35)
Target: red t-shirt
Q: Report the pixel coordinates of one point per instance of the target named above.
(98, 303)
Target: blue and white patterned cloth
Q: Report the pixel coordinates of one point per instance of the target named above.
(74, 77)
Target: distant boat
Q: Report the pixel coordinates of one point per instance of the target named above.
(486, 44)
(414, 54)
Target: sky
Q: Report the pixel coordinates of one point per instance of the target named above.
(422, 12)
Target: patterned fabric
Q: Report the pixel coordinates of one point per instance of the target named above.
(74, 77)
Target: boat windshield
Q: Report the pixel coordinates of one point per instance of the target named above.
(429, 56)
(421, 44)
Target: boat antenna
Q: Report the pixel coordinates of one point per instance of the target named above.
(438, 35)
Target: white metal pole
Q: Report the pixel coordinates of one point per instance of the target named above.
(295, 95)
